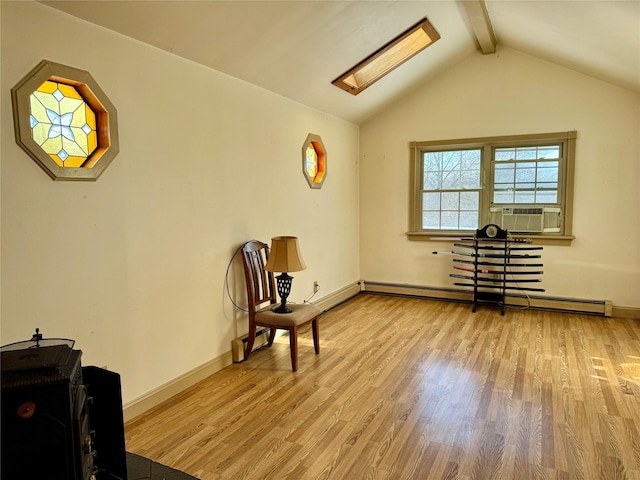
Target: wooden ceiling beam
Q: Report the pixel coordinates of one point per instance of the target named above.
(481, 24)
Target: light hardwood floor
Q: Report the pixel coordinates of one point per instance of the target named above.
(408, 388)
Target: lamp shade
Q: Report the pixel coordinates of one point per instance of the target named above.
(285, 255)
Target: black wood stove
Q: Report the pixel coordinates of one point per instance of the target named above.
(47, 429)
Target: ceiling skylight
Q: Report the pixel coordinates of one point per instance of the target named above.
(388, 58)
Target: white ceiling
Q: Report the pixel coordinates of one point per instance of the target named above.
(296, 48)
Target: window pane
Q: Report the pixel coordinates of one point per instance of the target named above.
(470, 179)
(547, 197)
(524, 197)
(548, 171)
(468, 220)
(450, 200)
(433, 161)
(469, 201)
(552, 151)
(432, 180)
(503, 196)
(450, 161)
(503, 154)
(431, 201)
(526, 172)
(451, 180)
(431, 220)
(504, 173)
(470, 160)
(526, 153)
(450, 220)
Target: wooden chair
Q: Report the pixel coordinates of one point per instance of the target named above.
(260, 291)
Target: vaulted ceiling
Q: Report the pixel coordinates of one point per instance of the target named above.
(296, 48)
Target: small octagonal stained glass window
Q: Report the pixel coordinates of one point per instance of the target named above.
(62, 124)
(314, 161)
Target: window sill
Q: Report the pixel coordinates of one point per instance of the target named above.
(560, 240)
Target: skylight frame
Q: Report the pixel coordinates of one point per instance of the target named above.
(381, 62)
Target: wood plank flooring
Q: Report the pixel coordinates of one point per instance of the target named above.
(409, 388)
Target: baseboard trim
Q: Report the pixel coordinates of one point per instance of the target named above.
(626, 312)
(576, 305)
(143, 404)
(155, 397)
(338, 297)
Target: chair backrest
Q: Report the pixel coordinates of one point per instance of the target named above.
(260, 282)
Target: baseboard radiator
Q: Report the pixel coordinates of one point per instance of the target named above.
(576, 305)
(239, 345)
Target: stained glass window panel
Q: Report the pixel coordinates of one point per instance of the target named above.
(312, 161)
(63, 124)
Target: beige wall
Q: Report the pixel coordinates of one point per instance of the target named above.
(133, 266)
(504, 94)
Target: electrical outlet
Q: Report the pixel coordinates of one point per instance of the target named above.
(316, 287)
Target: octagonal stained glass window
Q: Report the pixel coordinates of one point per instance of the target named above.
(65, 122)
(314, 161)
(62, 124)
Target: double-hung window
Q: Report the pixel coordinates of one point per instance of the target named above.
(522, 183)
(451, 189)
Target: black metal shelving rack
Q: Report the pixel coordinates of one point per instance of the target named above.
(493, 263)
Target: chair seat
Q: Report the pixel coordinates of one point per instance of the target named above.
(300, 314)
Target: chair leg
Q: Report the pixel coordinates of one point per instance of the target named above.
(316, 335)
(251, 337)
(293, 343)
(272, 336)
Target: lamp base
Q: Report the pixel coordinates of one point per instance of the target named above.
(283, 282)
(282, 308)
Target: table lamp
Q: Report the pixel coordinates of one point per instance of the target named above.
(284, 257)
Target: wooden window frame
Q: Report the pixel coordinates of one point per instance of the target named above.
(566, 188)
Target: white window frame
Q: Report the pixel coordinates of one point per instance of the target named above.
(567, 142)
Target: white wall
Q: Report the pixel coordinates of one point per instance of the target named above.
(133, 266)
(504, 94)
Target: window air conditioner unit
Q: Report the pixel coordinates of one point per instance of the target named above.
(527, 218)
